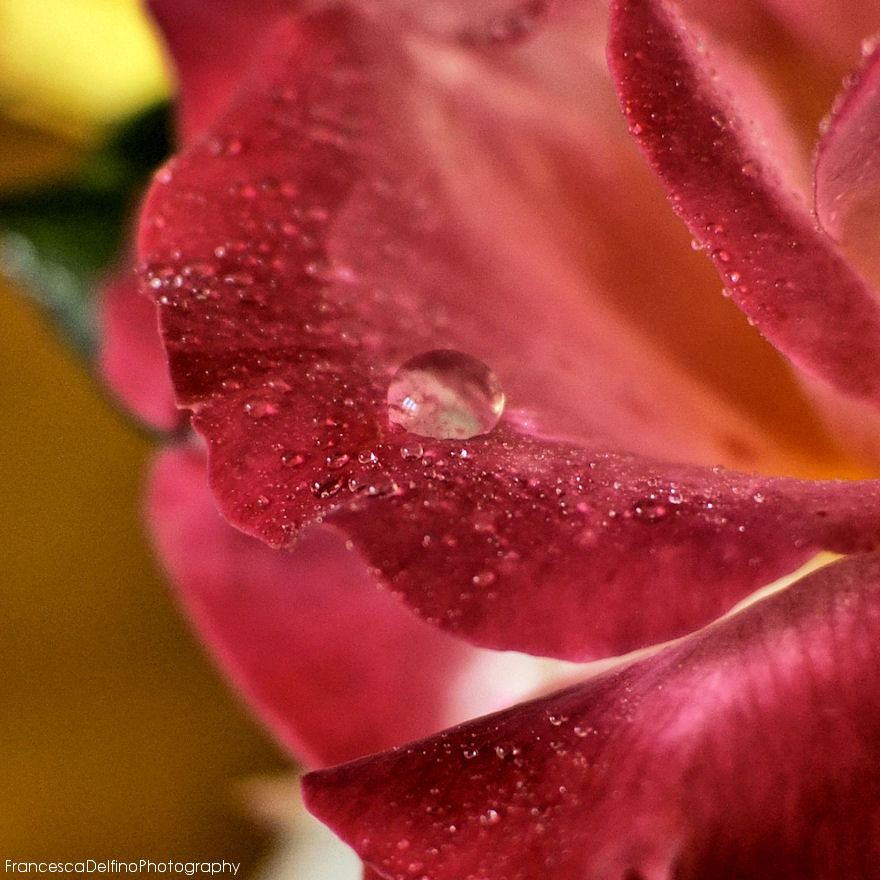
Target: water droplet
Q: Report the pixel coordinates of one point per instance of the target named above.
(260, 409)
(484, 578)
(507, 753)
(337, 461)
(649, 510)
(445, 394)
(470, 752)
(329, 486)
(411, 451)
(490, 817)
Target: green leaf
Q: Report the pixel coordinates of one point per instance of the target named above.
(58, 239)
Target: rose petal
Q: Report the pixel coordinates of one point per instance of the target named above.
(348, 238)
(847, 177)
(750, 749)
(335, 667)
(132, 360)
(785, 275)
(282, 340)
(603, 536)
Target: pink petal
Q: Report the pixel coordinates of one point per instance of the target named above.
(335, 667)
(296, 275)
(369, 262)
(132, 360)
(749, 749)
(784, 274)
(848, 162)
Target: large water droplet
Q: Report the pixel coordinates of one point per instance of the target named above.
(445, 394)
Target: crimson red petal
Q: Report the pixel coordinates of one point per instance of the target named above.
(783, 273)
(335, 667)
(132, 359)
(749, 749)
(296, 273)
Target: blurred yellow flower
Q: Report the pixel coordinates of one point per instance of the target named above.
(73, 65)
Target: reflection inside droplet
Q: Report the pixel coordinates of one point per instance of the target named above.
(445, 394)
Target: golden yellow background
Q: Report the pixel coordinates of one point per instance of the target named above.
(117, 737)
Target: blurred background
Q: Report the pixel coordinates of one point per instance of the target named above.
(119, 740)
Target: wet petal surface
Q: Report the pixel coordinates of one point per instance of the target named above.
(721, 176)
(305, 251)
(747, 749)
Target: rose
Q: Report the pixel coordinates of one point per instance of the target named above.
(354, 205)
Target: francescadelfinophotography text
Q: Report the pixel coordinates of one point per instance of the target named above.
(114, 866)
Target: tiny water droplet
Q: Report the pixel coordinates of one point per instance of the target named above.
(260, 409)
(411, 451)
(239, 279)
(470, 752)
(484, 578)
(490, 817)
(445, 394)
(292, 459)
(649, 510)
(329, 486)
(337, 461)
